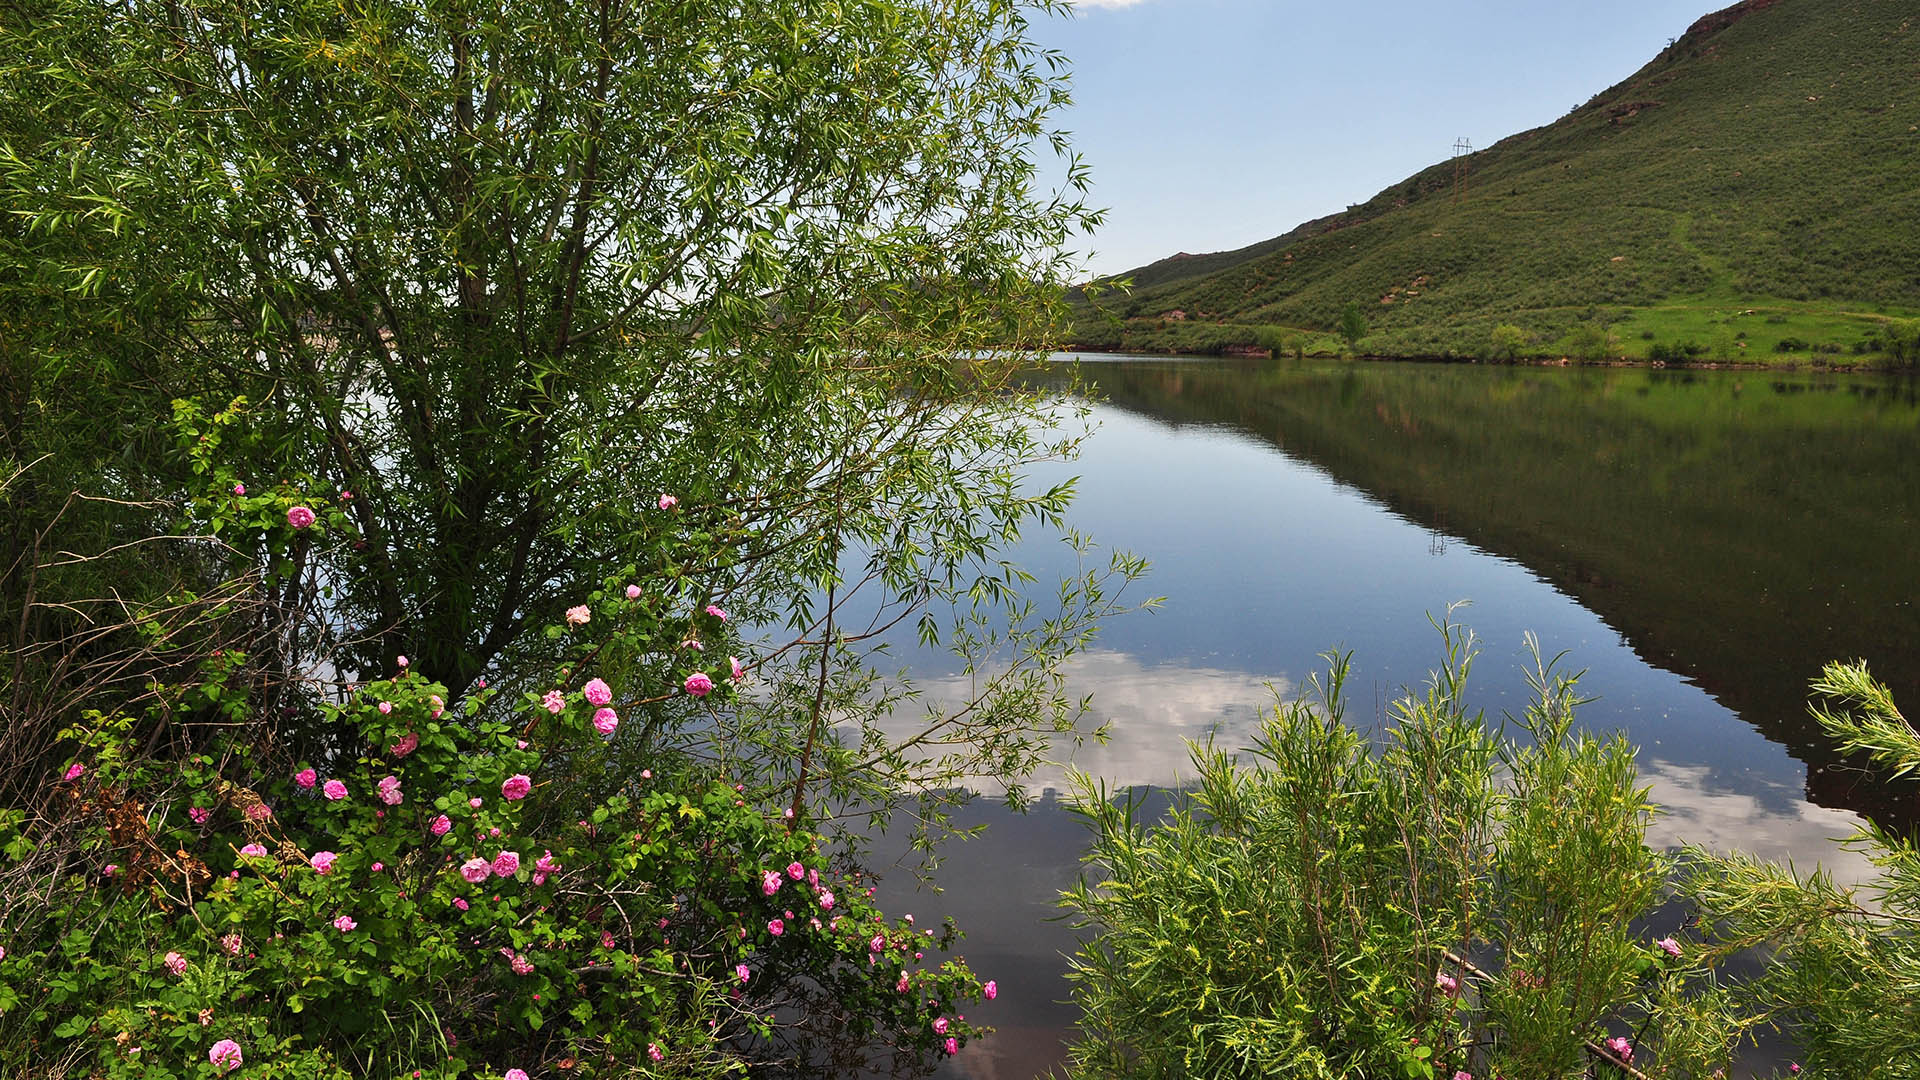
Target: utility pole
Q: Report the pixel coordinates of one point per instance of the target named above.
(1462, 147)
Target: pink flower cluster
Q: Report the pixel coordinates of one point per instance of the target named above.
(390, 791)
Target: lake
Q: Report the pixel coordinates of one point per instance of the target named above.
(1699, 542)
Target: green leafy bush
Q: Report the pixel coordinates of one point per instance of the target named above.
(444, 902)
(1433, 901)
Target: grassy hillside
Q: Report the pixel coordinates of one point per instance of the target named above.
(1756, 184)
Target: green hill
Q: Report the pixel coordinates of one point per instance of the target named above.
(1753, 192)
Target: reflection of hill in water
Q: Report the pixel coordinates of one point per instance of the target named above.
(1739, 528)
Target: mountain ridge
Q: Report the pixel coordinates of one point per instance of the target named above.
(1765, 159)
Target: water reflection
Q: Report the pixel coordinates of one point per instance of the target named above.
(1699, 545)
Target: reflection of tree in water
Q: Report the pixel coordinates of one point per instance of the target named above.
(1739, 528)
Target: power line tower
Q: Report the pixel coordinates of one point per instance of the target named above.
(1462, 147)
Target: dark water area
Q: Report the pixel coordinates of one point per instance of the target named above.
(1698, 542)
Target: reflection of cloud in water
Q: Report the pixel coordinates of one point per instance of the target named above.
(1777, 824)
(1150, 712)
(1153, 710)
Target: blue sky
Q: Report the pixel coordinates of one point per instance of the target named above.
(1212, 124)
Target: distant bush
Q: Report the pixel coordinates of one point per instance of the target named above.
(1791, 344)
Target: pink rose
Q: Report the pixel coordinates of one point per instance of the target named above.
(75, 771)
(474, 803)
(900, 986)
(515, 1074)
(796, 872)
(770, 882)
(654, 1053)
(738, 671)
(239, 489)
(715, 611)
(408, 744)
(460, 902)
(199, 814)
(991, 990)
(545, 863)
(597, 692)
(940, 1026)
(323, 861)
(605, 721)
(306, 778)
(579, 615)
(699, 685)
(952, 1046)
(554, 701)
(344, 923)
(521, 965)
(176, 964)
(231, 943)
(259, 812)
(440, 825)
(633, 592)
(668, 502)
(826, 899)
(253, 851)
(1447, 984)
(878, 942)
(742, 972)
(475, 870)
(299, 517)
(516, 787)
(225, 1055)
(1669, 946)
(386, 708)
(1621, 1047)
(506, 864)
(390, 791)
(777, 927)
(334, 790)
(400, 661)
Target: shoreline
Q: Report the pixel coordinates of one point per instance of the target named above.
(1814, 367)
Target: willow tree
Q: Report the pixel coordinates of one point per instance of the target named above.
(496, 276)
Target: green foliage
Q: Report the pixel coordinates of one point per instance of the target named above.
(456, 906)
(1841, 964)
(1353, 326)
(1506, 341)
(1435, 899)
(1588, 341)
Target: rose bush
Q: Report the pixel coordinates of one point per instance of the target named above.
(452, 888)
(482, 921)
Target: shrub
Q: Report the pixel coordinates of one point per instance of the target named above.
(1431, 900)
(444, 901)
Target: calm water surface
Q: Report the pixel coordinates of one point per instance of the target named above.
(1698, 542)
